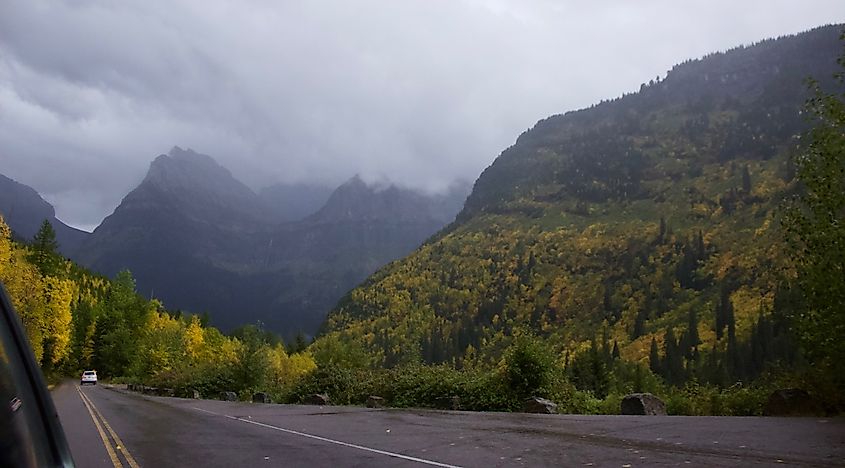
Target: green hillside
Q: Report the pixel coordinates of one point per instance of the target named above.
(617, 224)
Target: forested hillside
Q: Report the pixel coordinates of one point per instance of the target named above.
(77, 320)
(645, 229)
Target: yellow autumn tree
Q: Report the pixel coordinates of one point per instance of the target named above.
(56, 333)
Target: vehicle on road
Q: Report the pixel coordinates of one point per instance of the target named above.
(89, 377)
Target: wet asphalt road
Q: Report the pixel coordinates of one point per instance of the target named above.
(165, 432)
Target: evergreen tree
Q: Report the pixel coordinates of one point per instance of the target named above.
(639, 324)
(44, 250)
(746, 180)
(674, 367)
(815, 226)
(724, 311)
(299, 344)
(654, 358)
(692, 337)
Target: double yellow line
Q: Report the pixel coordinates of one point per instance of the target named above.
(119, 446)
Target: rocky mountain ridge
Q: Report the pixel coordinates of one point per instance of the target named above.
(200, 240)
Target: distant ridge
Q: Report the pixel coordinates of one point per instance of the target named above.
(24, 210)
(205, 242)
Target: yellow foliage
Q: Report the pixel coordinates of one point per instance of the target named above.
(60, 294)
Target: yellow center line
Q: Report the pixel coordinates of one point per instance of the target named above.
(120, 445)
(113, 456)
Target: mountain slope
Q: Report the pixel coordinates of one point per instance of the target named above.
(293, 202)
(24, 210)
(198, 239)
(313, 262)
(624, 218)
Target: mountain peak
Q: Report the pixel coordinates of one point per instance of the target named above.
(187, 169)
(193, 185)
(356, 200)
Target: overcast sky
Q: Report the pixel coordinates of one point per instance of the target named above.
(420, 92)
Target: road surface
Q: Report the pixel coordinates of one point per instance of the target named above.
(111, 427)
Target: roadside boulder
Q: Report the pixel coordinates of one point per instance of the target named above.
(644, 404)
(791, 402)
(190, 393)
(375, 402)
(261, 397)
(228, 396)
(318, 399)
(539, 405)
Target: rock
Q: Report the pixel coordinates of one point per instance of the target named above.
(644, 404)
(375, 402)
(792, 402)
(448, 403)
(318, 399)
(189, 393)
(149, 390)
(539, 405)
(130, 387)
(228, 396)
(261, 397)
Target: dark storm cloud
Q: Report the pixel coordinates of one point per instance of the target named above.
(419, 92)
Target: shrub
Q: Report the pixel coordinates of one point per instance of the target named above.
(528, 366)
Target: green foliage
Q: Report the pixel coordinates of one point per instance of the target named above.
(334, 350)
(704, 400)
(343, 385)
(815, 225)
(528, 366)
(44, 250)
(76, 320)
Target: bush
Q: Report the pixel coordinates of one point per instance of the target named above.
(706, 400)
(343, 386)
(528, 366)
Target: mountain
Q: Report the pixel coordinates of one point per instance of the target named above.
(188, 209)
(198, 239)
(293, 202)
(637, 215)
(312, 263)
(24, 210)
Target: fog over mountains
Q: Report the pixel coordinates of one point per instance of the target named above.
(201, 241)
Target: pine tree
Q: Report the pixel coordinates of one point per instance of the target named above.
(815, 227)
(724, 311)
(639, 325)
(654, 358)
(693, 339)
(674, 367)
(44, 250)
(746, 180)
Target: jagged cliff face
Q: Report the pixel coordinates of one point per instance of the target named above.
(24, 210)
(200, 240)
(619, 219)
